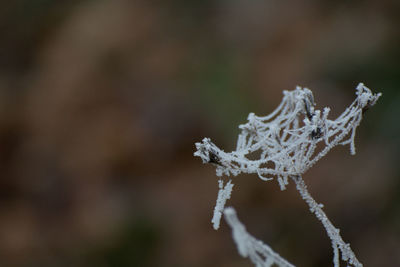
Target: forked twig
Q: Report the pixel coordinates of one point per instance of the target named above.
(286, 141)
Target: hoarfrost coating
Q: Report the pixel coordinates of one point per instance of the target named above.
(224, 194)
(258, 252)
(287, 138)
(286, 141)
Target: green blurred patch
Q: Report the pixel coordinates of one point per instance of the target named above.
(135, 244)
(219, 81)
(381, 73)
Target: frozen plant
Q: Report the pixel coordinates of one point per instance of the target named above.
(224, 194)
(287, 143)
(258, 252)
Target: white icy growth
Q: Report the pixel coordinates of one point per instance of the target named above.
(286, 140)
(336, 240)
(258, 252)
(224, 193)
(284, 145)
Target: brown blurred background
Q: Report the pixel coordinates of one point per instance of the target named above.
(101, 103)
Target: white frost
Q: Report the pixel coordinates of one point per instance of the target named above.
(224, 194)
(248, 246)
(286, 141)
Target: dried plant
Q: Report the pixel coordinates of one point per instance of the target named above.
(287, 143)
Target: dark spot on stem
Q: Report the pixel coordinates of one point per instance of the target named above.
(214, 158)
(307, 108)
(316, 134)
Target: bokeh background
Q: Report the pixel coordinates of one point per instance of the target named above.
(101, 103)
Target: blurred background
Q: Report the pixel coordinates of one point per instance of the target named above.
(101, 103)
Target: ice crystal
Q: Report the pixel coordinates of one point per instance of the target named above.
(289, 141)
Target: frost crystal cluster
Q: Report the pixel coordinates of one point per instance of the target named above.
(285, 144)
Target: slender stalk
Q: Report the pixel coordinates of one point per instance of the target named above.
(334, 233)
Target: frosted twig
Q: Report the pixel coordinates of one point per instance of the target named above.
(333, 233)
(289, 141)
(224, 194)
(258, 252)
